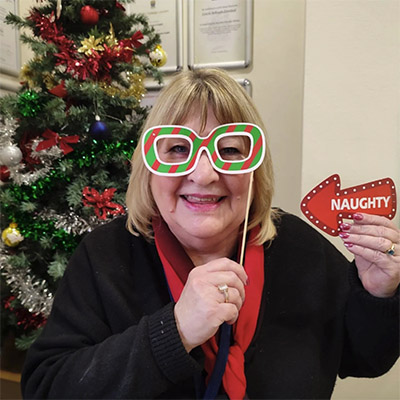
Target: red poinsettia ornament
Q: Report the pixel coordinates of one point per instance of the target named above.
(101, 202)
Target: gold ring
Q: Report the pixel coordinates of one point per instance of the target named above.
(224, 289)
(391, 250)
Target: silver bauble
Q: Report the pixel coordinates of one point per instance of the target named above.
(10, 156)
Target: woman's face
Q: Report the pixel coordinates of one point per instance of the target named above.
(203, 208)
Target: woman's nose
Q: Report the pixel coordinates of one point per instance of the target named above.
(204, 173)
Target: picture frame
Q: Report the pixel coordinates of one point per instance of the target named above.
(167, 19)
(220, 34)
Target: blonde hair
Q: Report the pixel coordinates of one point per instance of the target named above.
(189, 92)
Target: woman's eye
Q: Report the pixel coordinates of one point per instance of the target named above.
(234, 148)
(179, 149)
(229, 151)
(232, 154)
(171, 150)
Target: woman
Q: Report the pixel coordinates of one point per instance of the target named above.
(164, 310)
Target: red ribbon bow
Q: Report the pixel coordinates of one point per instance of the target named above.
(59, 90)
(101, 202)
(138, 35)
(133, 41)
(120, 6)
(54, 138)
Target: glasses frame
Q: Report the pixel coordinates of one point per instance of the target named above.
(198, 144)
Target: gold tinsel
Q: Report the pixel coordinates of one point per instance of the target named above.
(30, 76)
(27, 75)
(136, 88)
(49, 80)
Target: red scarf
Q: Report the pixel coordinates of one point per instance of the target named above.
(177, 266)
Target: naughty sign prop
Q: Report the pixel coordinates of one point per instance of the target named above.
(327, 204)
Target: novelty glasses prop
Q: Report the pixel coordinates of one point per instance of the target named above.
(173, 150)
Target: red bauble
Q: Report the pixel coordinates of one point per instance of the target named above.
(4, 173)
(89, 15)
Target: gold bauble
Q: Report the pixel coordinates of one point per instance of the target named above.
(11, 236)
(158, 57)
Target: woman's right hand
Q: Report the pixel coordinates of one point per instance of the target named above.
(201, 308)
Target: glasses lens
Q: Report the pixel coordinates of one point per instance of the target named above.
(234, 148)
(173, 150)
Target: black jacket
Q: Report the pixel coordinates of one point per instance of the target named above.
(112, 333)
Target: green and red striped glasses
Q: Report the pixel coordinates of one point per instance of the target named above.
(173, 150)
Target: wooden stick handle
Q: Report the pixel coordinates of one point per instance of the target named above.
(246, 219)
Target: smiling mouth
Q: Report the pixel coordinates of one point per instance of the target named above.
(203, 200)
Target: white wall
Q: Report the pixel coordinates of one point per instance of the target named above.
(325, 78)
(351, 115)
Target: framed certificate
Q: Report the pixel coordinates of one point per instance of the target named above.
(10, 62)
(166, 18)
(220, 33)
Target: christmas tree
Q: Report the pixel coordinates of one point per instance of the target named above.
(66, 139)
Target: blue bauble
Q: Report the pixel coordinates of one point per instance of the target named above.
(99, 130)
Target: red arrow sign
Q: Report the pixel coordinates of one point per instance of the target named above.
(326, 205)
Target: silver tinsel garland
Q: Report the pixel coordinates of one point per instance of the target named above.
(32, 293)
(71, 222)
(7, 131)
(18, 173)
(28, 178)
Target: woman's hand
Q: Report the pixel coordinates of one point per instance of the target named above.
(202, 307)
(370, 238)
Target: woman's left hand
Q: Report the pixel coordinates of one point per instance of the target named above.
(371, 239)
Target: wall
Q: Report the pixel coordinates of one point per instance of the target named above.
(325, 77)
(277, 77)
(11, 83)
(351, 115)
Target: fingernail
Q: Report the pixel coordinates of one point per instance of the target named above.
(358, 217)
(344, 235)
(348, 244)
(345, 227)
